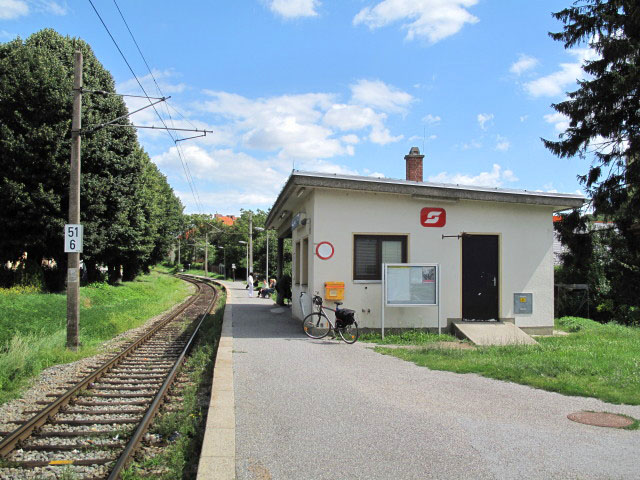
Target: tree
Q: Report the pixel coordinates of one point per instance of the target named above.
(604, 126)
(128, 210)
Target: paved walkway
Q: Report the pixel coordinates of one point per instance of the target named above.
(314, 409)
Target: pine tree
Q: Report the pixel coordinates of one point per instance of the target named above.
(604, 127)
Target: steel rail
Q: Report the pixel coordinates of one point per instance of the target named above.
(144, 424)
(25, 430)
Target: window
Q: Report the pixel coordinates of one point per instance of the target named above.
(371, 251)
(304, 276)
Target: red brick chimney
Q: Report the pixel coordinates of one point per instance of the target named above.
(414, 164)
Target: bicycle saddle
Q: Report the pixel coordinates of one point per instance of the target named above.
(338, 303)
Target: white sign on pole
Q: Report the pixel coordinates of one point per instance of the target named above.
(73, 235)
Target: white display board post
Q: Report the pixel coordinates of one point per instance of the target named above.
(410, 285)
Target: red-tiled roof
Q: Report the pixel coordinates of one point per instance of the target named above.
(226, 219)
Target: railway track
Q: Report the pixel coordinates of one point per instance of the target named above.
(92, 429)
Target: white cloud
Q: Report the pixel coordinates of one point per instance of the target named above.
(472, 145)
(288, 124)
(50, 6)
(524, 118)
(377, 94)
(227, 201)
(559, 121)
(502, 144)
(356, 117)
(432, 119)
(555, 83)
(4, 35)
(10, 9)
(201, 163)
(382, 136)
(306, 125)
(166, 82)
(523, 64)
(432, 20)
(294, 8)
(351, 138)
(352, 117)
(483, 119)
(230, 171)
(495, 178)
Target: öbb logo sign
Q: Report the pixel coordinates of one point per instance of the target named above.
(433, 217)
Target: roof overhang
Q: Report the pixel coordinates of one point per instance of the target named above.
(299, 182)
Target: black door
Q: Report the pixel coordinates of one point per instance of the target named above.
(480, 277)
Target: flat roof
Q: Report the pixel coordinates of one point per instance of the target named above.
(429, 190)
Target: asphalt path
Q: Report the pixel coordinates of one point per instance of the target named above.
(322, 409)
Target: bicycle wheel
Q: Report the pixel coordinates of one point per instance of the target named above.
(349, 333)
(316, 325)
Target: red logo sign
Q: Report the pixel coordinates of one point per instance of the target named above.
(433, 217)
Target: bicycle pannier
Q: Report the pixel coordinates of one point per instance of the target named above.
(345, 317)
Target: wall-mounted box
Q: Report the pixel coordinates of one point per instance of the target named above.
(523, 303)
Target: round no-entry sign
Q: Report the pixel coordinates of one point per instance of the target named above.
(324, 250)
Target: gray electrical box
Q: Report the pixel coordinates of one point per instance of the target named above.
(522, 303)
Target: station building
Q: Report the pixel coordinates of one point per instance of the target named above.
(493, 246)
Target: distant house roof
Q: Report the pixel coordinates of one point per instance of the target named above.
(429, 190)
(228, 220)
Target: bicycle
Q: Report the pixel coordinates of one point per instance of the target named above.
(317, 324)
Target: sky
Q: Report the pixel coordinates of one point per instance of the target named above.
(341, 86)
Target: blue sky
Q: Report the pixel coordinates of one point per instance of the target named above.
(335, 86)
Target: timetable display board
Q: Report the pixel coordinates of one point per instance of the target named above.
(411, 284)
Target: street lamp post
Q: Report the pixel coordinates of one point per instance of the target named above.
(260, 229)
(179, 251)
(245, 243)
(206, 248)
(224, 253)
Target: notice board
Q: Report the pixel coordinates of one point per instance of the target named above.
(410, 284)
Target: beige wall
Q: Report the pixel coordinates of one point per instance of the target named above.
(526, 259)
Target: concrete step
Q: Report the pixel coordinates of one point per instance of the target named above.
(493, 333)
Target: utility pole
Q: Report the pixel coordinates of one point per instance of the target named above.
(73, 259)
(206, 254)
(178, 252)
(250, 242)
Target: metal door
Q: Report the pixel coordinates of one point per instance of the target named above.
(480, 278)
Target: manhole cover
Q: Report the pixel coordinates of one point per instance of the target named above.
(601, 419)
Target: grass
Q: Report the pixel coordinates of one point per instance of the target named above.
(182, 431)
(200, 272)
(595, 360)
(33, 325)
(410, 337)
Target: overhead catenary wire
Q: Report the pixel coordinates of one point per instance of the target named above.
(185, 166)
(175, 140)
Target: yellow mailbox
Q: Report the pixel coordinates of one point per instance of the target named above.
(334, 290)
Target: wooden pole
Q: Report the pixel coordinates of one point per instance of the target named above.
(206, 254)
(73, 267)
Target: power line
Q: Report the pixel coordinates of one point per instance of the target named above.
(182, 160)
(175, 141)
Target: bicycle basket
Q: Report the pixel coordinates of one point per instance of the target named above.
(344, 317)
